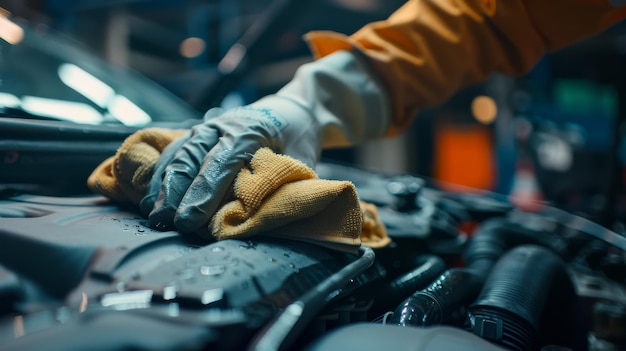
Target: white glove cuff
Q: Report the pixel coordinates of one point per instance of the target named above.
(344, 98)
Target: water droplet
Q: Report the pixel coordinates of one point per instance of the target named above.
(212, 270)
(63, 314)
(169, 291)
(141, 230)
(162, 226)
(210, 296)
(271, 259)
(292, 266)
(248, 245)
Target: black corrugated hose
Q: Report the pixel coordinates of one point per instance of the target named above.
(456, 288)
(528, 290)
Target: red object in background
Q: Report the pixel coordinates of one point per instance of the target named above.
(464, 157)
(464, 162)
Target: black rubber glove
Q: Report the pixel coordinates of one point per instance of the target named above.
(330, 102)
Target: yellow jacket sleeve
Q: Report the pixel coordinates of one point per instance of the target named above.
(429, 49)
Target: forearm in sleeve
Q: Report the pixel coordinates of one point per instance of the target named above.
(429, 49)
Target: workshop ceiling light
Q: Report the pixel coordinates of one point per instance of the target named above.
(87, 85)
(9, 31)
(61, 110)
(9, 100)
(232, 59)
(127, 112)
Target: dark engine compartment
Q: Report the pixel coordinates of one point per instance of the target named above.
(464, 272)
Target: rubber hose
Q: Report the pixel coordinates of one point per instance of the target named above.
(496, 236)
(427, 269)
(509, 308)
(456, 288)
(287, 326)
(435, 305)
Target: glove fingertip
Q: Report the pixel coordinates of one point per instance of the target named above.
(146, 204)
(190, 220)
(162, 218)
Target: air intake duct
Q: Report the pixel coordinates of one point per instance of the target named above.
(528, 290)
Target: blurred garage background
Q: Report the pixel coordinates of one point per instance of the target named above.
(555, 134)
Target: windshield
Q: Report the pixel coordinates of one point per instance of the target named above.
(43, 75)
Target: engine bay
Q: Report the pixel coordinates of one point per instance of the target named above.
(464, 271)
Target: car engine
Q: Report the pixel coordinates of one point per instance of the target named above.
(465, 271)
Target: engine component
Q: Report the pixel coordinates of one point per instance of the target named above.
(436, 304)
(376, 337)
(510, 308)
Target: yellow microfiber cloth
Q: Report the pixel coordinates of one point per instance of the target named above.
(125, 176)
(274, 195)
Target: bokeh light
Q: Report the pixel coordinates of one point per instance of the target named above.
(484, 109)
(192, 47)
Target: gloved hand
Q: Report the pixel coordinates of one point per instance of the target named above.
(332, 102)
